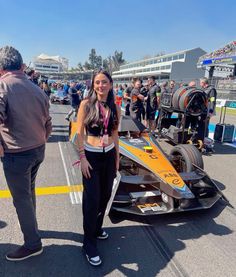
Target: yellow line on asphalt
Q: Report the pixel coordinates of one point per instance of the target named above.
(48, 190)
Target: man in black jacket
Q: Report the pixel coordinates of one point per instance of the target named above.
(211, 97)
(153, 101)
(137, 101)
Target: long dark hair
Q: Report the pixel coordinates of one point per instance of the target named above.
(92, 108)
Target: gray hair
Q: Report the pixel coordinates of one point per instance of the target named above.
(204, 80)
(10, 59)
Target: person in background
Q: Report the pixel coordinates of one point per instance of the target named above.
(192, 84)
(153, 100)
(66, 87)
(166, 98)
(74, 100)
(98, 147)
(137, 100)
(211, 97)
(46, 89)
(32, 76)
(25, 128)
(144, 92)
(191, 121)
(127, 98)
(119, 96)
(86, 91)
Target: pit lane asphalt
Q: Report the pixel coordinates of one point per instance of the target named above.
(197, 244)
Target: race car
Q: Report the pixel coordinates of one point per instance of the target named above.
(152, 182)
(60, 97)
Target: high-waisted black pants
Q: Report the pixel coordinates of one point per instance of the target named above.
(96, 194)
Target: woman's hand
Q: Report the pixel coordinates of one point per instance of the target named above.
(86, 167)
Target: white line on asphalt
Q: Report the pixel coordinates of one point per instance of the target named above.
(72, 197)
(77, 192)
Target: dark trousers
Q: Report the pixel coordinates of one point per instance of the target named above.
(20, 170)
(203, 127)
(137, 114)
(96, 194)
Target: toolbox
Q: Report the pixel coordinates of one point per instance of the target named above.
(224, 132)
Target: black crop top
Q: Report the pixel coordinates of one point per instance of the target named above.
(97, 129)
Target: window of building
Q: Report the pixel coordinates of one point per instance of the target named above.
(162, 77)
(181, 56)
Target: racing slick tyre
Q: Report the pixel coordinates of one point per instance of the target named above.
(184, 156)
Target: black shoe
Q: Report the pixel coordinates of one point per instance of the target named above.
(103, 235)
(23, 253)
(67, 118)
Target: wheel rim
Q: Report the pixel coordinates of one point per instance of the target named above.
(179, 163)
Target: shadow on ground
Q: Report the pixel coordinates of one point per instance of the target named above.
(222, 149)
(129, 251)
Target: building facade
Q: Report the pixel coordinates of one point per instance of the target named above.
(180, 66)
(50, 64)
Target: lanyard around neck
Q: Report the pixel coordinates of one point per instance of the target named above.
(105, 116)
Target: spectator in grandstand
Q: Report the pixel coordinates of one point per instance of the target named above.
(211, 97)
(137, 100)
(153, 100)
(25, 127)
(75, 100)
(99, 157)
(227, 50)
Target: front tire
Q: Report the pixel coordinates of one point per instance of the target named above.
(185, 156)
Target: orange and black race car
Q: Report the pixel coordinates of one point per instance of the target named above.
(150, 182)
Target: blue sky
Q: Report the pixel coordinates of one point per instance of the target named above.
(136, 27)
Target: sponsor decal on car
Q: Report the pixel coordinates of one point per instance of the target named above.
(149, 207)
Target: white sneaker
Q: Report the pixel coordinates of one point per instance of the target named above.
(95, 261)
(104, 235)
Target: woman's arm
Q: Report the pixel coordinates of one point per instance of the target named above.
(116, 138)
(85, 166)
(80, 124)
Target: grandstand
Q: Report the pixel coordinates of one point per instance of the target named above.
(221, 65)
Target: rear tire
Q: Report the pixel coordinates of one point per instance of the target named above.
(183, 157)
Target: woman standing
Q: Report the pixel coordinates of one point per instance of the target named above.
(98, 119)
